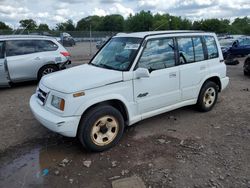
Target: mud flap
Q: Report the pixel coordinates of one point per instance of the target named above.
(4, 76)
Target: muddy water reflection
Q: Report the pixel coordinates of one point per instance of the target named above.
(34, 166)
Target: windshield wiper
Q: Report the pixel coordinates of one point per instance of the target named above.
(106, 66)
(97, 65)
(93, 64)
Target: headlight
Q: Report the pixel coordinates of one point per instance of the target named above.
(58, 102)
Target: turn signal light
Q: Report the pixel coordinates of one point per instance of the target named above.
(62, 104)
(78, 94)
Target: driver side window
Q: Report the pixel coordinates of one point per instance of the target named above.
(158, 54)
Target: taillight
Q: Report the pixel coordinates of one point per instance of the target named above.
(66, 54)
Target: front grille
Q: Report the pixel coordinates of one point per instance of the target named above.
(41, 95)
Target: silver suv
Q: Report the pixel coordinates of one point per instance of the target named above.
(27, 57)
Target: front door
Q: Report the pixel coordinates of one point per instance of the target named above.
(162, 87)
(4, 81)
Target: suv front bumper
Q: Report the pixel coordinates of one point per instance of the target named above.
(66, 126)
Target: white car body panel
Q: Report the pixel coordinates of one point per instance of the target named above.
(23, 67)
(76, 75)
(191, 77)
(164, 90)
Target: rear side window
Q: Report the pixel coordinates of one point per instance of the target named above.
(198, 49)
(158, 54)
(186, 50)
(212, 49)
(46, 45)
(20, 47)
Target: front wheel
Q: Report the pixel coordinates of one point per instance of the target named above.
(207, 97)
(101, 128)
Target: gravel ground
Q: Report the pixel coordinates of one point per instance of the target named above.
(182, 148)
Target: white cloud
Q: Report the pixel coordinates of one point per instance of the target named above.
(99, 12)
(10, 9)
(54, 11)
(63, 12)
(120, 9)
(58, 18)
(43, 15)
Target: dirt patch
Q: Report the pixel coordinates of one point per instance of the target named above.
(182, 148)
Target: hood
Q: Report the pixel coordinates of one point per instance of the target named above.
(80, 78)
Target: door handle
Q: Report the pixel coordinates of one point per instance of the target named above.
(37, 58)
(172, 75)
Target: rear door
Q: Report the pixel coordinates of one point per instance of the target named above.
(23, 59)
(4, 81)
(48, 52)
(193, 65)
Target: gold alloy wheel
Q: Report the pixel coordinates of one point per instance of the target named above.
(209, 97)
(104, 130)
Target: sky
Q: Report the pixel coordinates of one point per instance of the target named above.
(55, 11)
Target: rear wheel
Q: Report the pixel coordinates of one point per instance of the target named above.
(101, 128)
(47, 69)
(246, 73)
(208, 96)
(247, 63)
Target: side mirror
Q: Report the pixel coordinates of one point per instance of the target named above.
(141, 73)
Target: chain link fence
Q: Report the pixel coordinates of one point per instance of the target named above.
(82, 45)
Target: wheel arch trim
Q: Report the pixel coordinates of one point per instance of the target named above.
(105, 100)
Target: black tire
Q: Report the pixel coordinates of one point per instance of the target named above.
(206, 102)
(42, 71)
(246, 73)
(246, 70)
(91, 120)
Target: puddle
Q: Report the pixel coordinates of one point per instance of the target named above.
(34, 166)
(23, 169)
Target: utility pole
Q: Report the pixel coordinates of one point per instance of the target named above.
(90, 38)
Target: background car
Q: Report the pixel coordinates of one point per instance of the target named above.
(238, 48)
(26, 57)
(100, 43)
(67, 40)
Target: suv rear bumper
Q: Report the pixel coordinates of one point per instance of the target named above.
(224, 83)
(66, 126)
(65, 65)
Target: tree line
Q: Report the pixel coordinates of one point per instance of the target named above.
(142, 21)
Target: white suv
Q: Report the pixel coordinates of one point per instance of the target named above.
(133, 77)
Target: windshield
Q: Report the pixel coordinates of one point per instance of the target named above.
(118, 53)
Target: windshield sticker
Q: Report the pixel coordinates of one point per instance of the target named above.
(130, 46)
